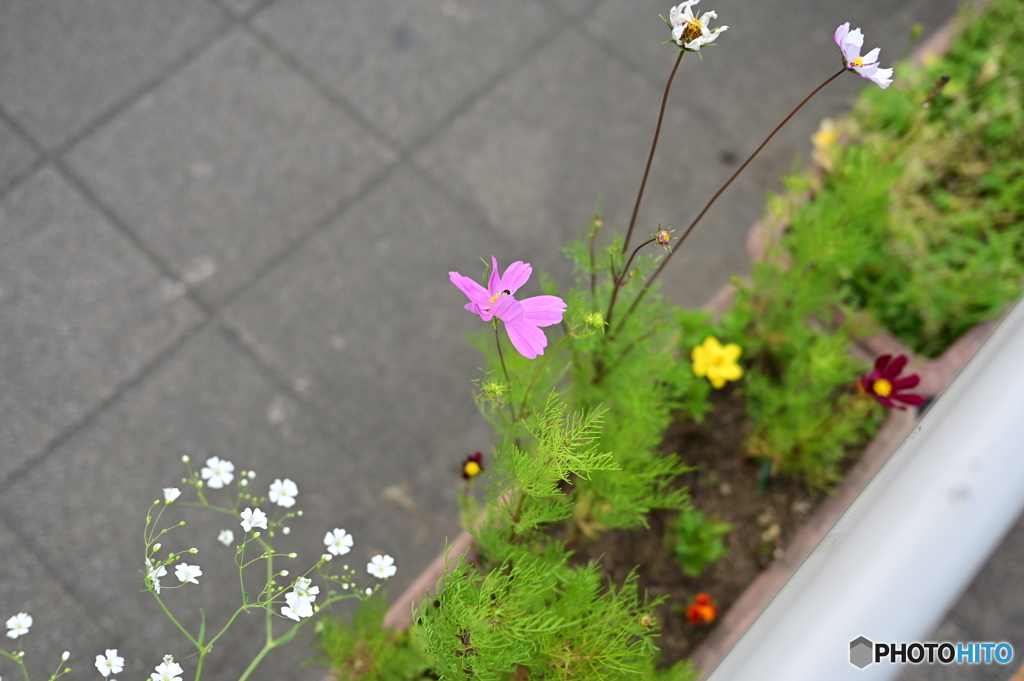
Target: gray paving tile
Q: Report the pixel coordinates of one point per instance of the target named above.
(241, 8)
(97, 52)
(575, 6)
(365, 323)
(83, 311)
(89, 497)
(570, 126)
(405, 65)
(59, 622)
(227, 163)
(16, 156)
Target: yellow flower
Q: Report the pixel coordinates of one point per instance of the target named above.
(717, 362)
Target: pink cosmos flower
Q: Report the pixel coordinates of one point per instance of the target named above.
(850, 43)
(523, 318)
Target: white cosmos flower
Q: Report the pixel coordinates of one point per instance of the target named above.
(849, 43)
(283, 492)
(168, 670)
(253, 518)
(187, 573)
(689, 31)
(338, 541)
(381, 567)
(155, 573)
(18, 625)
(170, 494)
(226, 537)
(110, 663)
(218, 472)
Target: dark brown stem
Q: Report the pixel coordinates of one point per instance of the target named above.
(620, 279)
(664, 262)
(650, 157)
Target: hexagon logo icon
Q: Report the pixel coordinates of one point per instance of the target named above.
(861, 650)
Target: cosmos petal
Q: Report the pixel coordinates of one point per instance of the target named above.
(515, 276)
(474, 291)
(530, 341)
(542, 310)
(507, 309)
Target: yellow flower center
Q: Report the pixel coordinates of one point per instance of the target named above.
(472, 469)
(882, 387)
(506, 292)
(693, 30)
(859, 61)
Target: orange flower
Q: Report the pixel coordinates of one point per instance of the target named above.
(702, 611)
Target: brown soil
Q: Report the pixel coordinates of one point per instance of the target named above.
(724, 488)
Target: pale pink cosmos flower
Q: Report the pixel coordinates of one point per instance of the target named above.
(523, 318)
(850, 43)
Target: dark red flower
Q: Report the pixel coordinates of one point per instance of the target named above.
(702, 611)
(472, 466)
(885, 385)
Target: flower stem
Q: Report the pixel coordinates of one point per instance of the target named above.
(643, 184)
(501, 356)
(664, 262)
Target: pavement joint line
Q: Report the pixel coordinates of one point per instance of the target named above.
(327, 93)
(138, 93)
(119, 391)
(126, 231)
(103, 620)
(516, 64)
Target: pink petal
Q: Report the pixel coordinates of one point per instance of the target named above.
(515, 276)
(507, 309)
(494, 281)
(841, 33)
(528, 340)
(473, 290)
(543, 310)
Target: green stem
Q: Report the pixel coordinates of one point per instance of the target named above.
(650, 282)
(504, 369)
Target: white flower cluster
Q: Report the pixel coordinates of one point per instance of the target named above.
(300, 599)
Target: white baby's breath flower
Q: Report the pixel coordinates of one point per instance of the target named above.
(187, 573)
(283, 492)
(170, 494)
(168, 670)
(381, 567)
(286, 530)
(64, 656)
(218, 472)
(326, 556)
(18, 625)
(185, 458)
(338, 541)
(369, 591)
(110, 663)
(155, 573)
(226, 537)
(253, 518)
(689, 31)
